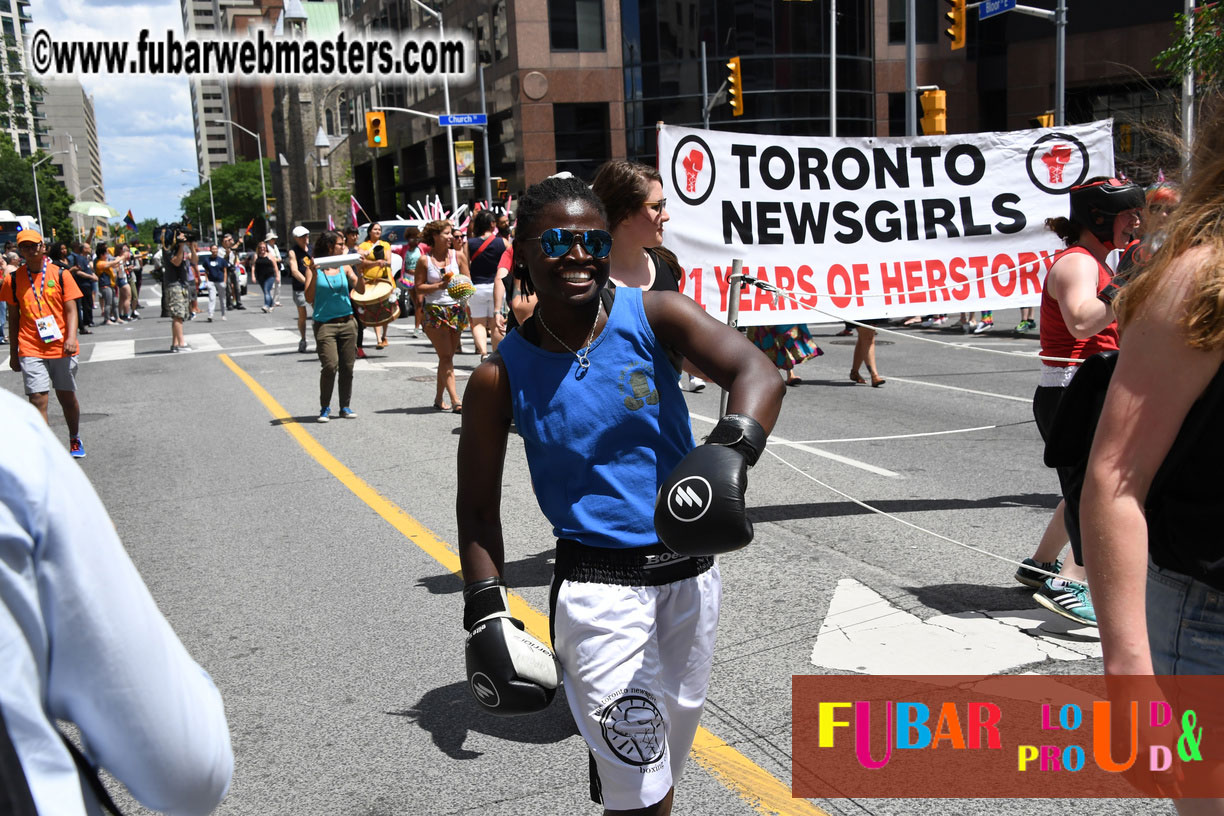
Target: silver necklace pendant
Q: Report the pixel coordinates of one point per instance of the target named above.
(582, 355)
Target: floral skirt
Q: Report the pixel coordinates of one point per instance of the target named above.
(437, 317)
(787, 346)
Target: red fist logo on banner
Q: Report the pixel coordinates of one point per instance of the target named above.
(1056, 160)
(692, 166)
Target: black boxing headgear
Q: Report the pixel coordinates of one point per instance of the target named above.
(1095, 205)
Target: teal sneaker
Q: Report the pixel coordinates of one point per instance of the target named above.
(325, 415)
(1033, 579)
(1072, 601)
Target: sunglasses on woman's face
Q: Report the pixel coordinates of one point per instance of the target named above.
(557, 242)
(658, 206)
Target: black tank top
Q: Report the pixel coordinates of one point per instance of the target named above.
(1183, 505)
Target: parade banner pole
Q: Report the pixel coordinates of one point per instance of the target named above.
(737, 284)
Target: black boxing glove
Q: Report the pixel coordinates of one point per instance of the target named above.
(700, 508)
(509, 672)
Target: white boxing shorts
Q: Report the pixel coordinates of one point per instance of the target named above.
(636, 660)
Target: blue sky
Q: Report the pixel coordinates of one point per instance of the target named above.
(144, 123)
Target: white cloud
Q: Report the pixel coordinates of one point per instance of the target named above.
(145, 131)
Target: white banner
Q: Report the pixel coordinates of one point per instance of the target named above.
(865, 228)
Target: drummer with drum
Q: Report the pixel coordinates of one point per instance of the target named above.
(378, 305)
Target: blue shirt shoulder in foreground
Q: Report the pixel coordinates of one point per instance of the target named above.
(82, 640)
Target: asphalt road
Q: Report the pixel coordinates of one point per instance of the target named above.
(307, 567)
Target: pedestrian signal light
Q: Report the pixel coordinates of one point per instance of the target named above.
(376, 128)
(503, 188)
(956, 16)
(1043, 120)
(934, 113)
(735, 87)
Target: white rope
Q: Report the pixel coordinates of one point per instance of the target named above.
(912, 435)
(920, 529)
(769, 287)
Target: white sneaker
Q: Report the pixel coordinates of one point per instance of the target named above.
(983, 326)
(692, 384)
(928, 323)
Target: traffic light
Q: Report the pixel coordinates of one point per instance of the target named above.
(934, 113)
(735, 87)
(1043, 120)
(376, 128)
(503, 188)
(956, 16)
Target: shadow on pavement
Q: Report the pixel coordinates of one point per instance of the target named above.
(785, 512)
(534, 570)
(449, 713)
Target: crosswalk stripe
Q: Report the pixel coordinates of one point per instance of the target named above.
(274, 336)
(203, 342)
(113, 350)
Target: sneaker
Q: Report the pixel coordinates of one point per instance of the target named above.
(928, 323)
(695, 385)
(210, 320)
(941, 320)
(361, 354)
(1072, 601)
(1025, 326)
(1035, 579)
(76, 448)
(983, 326)
(325, 415)
(302, 346)
(348, 413)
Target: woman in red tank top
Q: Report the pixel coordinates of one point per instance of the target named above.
(1077, 321)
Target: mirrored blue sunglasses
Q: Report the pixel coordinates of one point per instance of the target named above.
(557, 242)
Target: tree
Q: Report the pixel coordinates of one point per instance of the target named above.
(1198, 49)
(17, 190)
(237, 194)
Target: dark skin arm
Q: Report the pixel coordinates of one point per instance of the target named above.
(482, 456)
(720, 352)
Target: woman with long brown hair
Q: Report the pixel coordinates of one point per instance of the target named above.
(632, 193)
(445, 318)
(1150, 509)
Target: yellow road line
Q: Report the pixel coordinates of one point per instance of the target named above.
(756, 786)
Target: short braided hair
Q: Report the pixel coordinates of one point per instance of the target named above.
(533, 202)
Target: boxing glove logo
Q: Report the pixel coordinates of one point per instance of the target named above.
(484, 690)
(689, 498)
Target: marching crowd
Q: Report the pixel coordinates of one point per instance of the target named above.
(591, 381)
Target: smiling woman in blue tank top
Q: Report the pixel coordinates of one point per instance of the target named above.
(591, 388)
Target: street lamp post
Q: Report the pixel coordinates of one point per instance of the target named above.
(212, 207)
(263, 187)
(37, 199)
(450, 136)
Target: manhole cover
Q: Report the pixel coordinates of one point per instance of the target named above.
(424, 378)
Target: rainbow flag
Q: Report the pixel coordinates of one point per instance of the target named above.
(129, 221)
(250, 225)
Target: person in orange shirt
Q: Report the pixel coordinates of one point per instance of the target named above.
(42, 320)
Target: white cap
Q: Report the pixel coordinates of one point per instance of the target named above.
(298, 232)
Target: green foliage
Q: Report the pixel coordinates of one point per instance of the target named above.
(1198, 49)
(17, 190)
(236, 194)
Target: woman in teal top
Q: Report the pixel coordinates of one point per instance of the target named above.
(335, 328)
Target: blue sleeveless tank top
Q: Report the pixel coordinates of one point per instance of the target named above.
(599, 447)
(331, 295)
